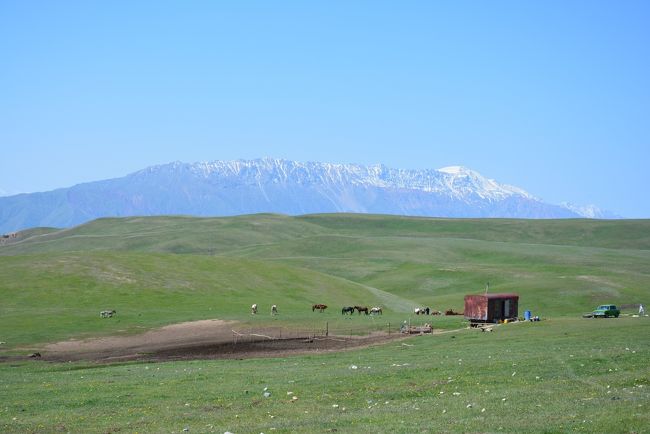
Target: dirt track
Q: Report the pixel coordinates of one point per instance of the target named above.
(207, 339)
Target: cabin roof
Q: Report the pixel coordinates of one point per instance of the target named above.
(496, 296)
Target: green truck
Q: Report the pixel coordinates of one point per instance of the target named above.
(604, 311)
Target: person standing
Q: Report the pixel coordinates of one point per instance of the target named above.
(641, 310)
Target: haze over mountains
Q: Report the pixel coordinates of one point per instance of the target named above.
(222, 188)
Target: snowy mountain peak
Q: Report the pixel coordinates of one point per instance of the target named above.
(456, 182)
(220, 188)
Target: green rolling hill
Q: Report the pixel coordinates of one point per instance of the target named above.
(160, 270)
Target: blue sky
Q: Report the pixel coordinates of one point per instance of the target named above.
(550, 96)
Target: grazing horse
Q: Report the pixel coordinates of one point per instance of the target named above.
(418, 311)
(451, 312)
(376, 310)
(436, 312)
(320, 307)
(254, 309)
(347, 310)
(274, 310)
(360, 309)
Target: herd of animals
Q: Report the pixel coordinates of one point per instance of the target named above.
(349, 310)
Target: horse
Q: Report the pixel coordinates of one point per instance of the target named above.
(376, 310)
(107, 313)
(254, 309)
(418, 311)
(360, 309)
(449, 312)
(274, 310)
(320, 307)
(436, 312)
(347, 310)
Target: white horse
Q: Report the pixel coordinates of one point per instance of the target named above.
(376, 310)
(274, 310)
(254, 309)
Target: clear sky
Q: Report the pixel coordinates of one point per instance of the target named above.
(550, 96)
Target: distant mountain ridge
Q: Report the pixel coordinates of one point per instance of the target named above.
(222, 188)
(590, 211)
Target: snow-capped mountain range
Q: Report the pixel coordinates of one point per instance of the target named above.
(221, 188)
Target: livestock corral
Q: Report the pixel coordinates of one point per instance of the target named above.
(215, 339)
(357, 326)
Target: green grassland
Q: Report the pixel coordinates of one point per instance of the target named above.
(560, 375)
(161, 270)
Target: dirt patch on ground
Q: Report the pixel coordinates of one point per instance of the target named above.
(207, 339)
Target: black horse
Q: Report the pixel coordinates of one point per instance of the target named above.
(347, 310)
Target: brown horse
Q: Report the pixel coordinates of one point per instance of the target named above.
(360, 309)
(320, 307)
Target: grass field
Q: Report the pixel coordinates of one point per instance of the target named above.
(162, 270)
(560, 375)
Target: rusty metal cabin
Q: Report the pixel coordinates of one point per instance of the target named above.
(491, 308)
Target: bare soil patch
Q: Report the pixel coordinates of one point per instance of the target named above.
(206, 339)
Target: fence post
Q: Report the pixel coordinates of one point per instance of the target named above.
(327, 329)
(388, 329)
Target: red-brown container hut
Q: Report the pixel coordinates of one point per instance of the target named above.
(491, 308)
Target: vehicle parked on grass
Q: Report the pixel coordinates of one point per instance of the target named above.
(604, 311)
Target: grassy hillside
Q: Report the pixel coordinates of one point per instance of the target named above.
(562, 374)
(552, 279)
(618, 234)
(222, 235)
(55, 296)
(166, 234)
(159, 270)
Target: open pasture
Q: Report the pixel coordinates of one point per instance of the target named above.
(166, 270)
(560, 375)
